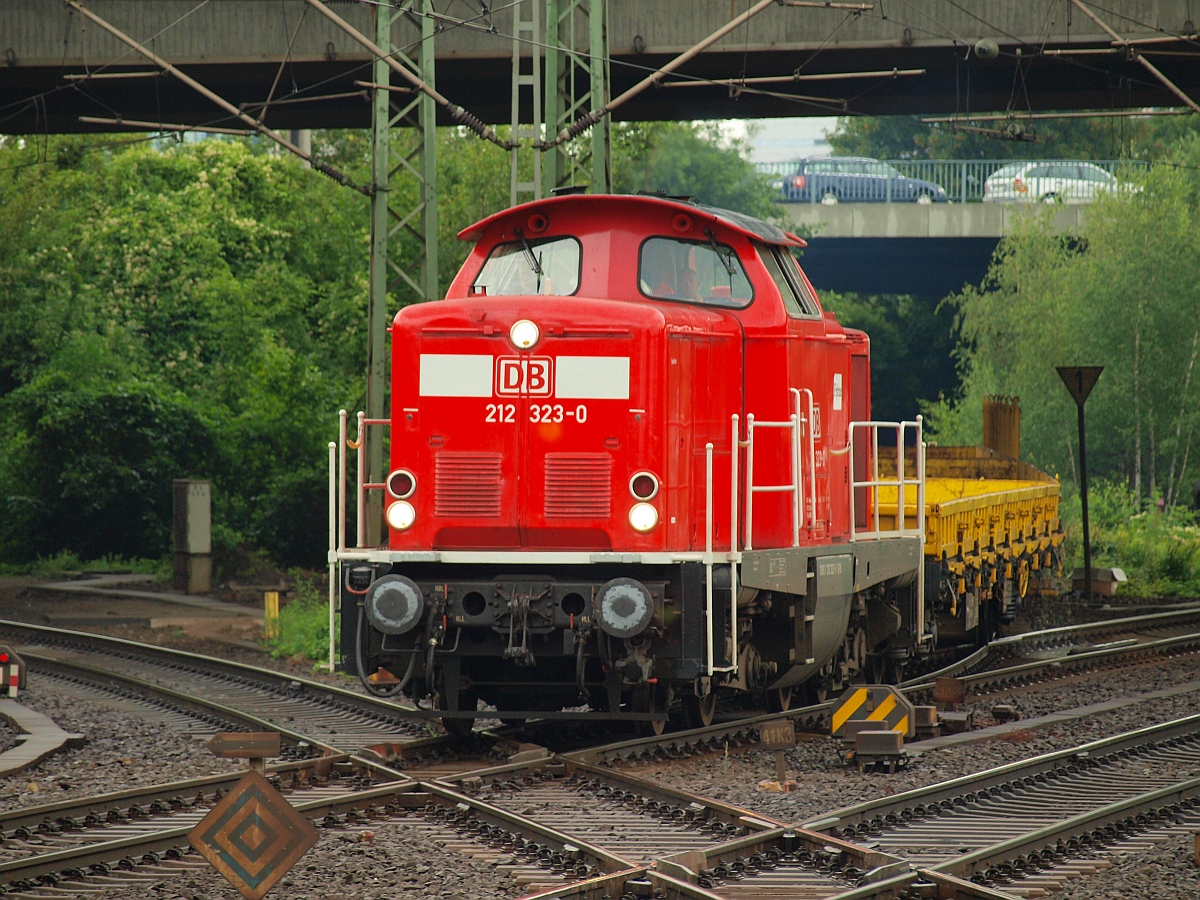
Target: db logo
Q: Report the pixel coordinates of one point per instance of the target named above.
(524, 376)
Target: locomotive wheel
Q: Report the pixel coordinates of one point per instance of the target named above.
(698, 712)
(780, 700)
(653, 699)
(458, 728)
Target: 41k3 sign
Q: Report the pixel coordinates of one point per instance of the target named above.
(253, 836)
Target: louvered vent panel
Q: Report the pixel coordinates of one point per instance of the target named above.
(578, 485)
(467, 485)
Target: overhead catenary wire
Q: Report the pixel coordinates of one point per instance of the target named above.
(457, 113)
(590, 118)
(319, 165)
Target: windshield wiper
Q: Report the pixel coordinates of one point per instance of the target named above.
(533, 260)
(712, 242)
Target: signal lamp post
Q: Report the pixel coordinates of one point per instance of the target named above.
(1079, 381)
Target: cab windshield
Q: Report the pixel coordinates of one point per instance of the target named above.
(524, 267)
(696, 271)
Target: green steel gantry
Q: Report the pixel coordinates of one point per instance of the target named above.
(573, 79)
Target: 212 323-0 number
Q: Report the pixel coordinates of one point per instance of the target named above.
(504, 413)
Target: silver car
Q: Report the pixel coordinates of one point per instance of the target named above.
(1049, 181)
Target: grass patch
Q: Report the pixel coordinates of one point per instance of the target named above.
(1159, 550)
(303, 622)
(65, 562)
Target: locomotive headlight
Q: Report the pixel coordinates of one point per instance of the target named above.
(401, 515)
(644, 486)
(394, 604)
(401, 484)
(524, 334)
(643, 517)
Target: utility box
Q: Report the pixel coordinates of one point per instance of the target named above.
(193, 536)
(1104, 581)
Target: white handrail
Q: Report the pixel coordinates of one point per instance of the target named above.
(900, 482)
(750, 481)
(362, 493)
(333, 545)
(708, 546)
(341, 511)
(810, 429)
(794, 487)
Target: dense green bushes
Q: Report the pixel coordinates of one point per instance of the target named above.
(1159, 549)
(194, 312)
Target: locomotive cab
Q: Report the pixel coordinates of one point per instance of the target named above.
(631, 460)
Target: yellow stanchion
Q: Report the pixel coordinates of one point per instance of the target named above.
(271, 614)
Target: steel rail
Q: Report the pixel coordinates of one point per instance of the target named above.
(156, 841)
(564, 767)
(745, 731)
(1150, 620)
(971, 864)
(1064, 664)
(982, 782)
(354, 807)
(146, 796)
(281, 681)
(186, 702)
(378, 755)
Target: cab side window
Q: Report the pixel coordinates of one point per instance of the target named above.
(798, 300)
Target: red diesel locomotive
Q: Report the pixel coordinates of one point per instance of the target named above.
(631, 463)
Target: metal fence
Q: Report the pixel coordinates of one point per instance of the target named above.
(963, 179)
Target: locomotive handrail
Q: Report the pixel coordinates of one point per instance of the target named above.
(708, 560)
(809, 509)
(794, 488)
(359, 445)
(900, 482)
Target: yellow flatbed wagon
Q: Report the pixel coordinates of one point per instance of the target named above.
(992, 534)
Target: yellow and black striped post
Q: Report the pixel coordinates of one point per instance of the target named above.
(876, 703)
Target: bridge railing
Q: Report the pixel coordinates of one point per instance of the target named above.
(963, 179)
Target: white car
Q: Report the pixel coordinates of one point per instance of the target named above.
(1049, 181)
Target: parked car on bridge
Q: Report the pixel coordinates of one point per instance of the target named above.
(1050, 181)
(855, 179)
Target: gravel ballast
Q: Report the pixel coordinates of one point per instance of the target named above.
(120, 751)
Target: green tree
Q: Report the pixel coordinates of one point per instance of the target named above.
(194, 310)
(913, 340)
(691, 159)
(1123, 293)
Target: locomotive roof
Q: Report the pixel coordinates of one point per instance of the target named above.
(747, 225)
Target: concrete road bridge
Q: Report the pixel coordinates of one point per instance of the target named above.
(906, 248)
(969, 56)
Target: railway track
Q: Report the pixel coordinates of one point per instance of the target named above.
(570, 824)
(1034, 824)
(201, 695)
(1001, 665)
(64, 856)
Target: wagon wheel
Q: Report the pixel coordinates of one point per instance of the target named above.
(651, 698)
(780, 700)
(457, 728)
(698, 712)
